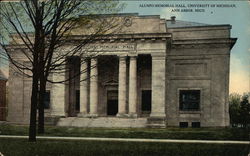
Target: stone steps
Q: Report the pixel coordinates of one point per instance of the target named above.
(107, 122)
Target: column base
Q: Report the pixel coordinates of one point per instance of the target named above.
(156, 122)
(121, 115)
(133, 115)
(158, 115)
(56, 116)
(92, 115)
(82, 114)
(57, 113)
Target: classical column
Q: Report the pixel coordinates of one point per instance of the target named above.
(58, 94)
(93, 88)
(122, 87)
(158, 85)
(133, 87)
(84, 89)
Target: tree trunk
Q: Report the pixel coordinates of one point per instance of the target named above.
(41, 105)
(33, 110)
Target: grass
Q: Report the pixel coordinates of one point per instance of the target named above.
(167, 133)
(16, 147)
(21, 147)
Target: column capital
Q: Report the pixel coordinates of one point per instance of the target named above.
(93, 58)
(122, 55)
(133, 56)
(158, 56)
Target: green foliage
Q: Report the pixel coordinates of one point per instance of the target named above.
(239, 109)
(234, 108)
(21, 147)
(245, 111)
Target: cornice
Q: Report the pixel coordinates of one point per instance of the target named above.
(196, 43)
(114, 38)
(124, 37)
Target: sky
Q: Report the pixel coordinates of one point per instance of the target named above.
(238, 16)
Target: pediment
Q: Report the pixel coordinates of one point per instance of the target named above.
(111, 82)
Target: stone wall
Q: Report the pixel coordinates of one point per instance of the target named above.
(199, 65)
(3, 106)
(16, 96)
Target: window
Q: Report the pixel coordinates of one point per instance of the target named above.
(183, 124)
(146, 100)
(77, 107)
(47, 100)
(189, 100)
(196, 124)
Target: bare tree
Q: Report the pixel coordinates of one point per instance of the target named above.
(52, 23)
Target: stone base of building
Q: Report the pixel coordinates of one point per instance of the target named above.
(156, 122)
(120, 122)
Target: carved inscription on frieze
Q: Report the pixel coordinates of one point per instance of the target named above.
(111, 47)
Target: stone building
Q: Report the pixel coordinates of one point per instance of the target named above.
(156, 73)
(3, 109)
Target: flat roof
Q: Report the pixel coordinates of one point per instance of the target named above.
(183, 24)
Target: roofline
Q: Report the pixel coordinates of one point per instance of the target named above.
(231, 41)
(114, 37)
(204, 26)
(114, 14)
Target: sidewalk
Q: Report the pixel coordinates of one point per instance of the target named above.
(131, 140)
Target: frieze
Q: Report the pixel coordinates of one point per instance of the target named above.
(111, 47)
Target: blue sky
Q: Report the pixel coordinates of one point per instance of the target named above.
(238, 17)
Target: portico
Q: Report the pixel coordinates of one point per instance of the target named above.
(124, 80)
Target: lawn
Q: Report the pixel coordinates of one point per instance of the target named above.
(166, 133)
(16, 147)
(21, 147)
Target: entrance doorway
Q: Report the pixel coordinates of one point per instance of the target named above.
(73, 87)
(112, 102)
(74, 104)
(146, 101)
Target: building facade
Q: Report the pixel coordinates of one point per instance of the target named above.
(156, 73)
(3, 110)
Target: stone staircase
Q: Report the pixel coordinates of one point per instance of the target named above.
(156, 122)
(107, 122)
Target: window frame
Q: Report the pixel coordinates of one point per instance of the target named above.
(149, 111)
(47, 91)
(189, 110)
(77, 100)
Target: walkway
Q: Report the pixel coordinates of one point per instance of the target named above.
(131, 140)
